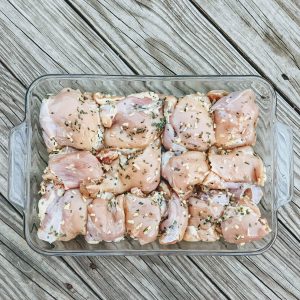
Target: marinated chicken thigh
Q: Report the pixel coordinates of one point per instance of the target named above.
(143, 216)
(215, 95)
(241, 165)
(189, 123)
(71, 119)
(235, 116)
(242, 223)
(173, 227)
(73, 169)
(250, 192)
(205, 210)
(109, 177)
(133, 122)
(106, 219)
(185, 170)
(138, 169)
(63, 214)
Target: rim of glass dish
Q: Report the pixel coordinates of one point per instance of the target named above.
(140, 251)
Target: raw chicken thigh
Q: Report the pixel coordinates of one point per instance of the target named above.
(242, 223)
(235, 116)
(138, 169)
(241, 165)
(71, 119)
(215, 95)
(251, 192)
(72, 169)
(63, 214)
(173, 227)
(143, 215)
(107, 177)
(185, 170)
(133, 122)
(106, 219)
(205, 210)
(189, 123)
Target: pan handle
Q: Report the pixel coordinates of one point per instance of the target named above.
(17, 166)
(284, 163)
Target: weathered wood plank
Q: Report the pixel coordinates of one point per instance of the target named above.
(154, 277)
(267, 32)
(55, 41)
(274, 274)
(14, 281)
(52, 274)
(168, 36)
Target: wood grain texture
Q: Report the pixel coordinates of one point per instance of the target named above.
(145, 278)
(267, 32)
(70, 48)
(51, 274)
(150, 37)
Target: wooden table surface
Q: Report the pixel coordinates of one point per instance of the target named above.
(149, 37)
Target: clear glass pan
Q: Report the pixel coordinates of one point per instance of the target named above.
(28, 158)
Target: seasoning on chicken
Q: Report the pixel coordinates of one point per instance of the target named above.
(102, 99)
(63, 214)
(133, 122)
(106, 219)
(215, 95)
(71, 119)
(74, 169)
(132, 169)
(242, 223)
(238, 189)
(173, 227)
(251, 192)
(205, 210)
(241, 165)
(165, 190)
(235, 116)
(184, 171)
(143, 216)
(189, 123)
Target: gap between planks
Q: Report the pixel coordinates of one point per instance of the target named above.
(244, 55)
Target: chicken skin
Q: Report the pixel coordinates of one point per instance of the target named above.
(242, 223)
(173, 227)
(143, 215)
(106, 219)
(240, 165)
(189, 123)
(63, 214)
(71, 119)
(205, 210)
(133, 122)
(72, 169)
(138, 169)
(184, 171)
(235, 116)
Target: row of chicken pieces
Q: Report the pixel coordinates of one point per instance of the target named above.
(103, 179)
(93, 121)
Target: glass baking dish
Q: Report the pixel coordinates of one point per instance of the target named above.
(28, 158)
